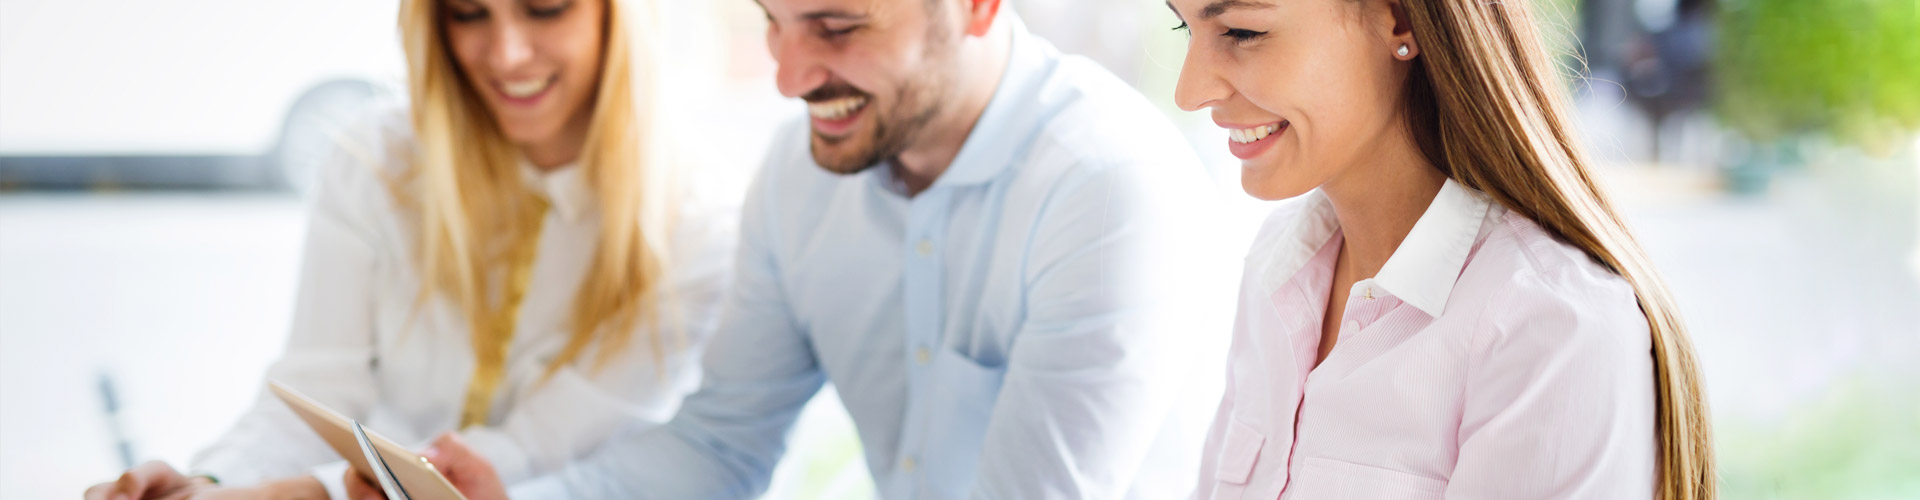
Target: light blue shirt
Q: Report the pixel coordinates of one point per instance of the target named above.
(1048, 320)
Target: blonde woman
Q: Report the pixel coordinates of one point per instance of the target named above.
(1447, 306)
(512, 258)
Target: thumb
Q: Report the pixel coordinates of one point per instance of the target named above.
(359, 489)
(136, 482)
(468, 470)
(452, 456)
(448, 448)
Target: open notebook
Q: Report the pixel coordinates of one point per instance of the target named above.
(401, 473)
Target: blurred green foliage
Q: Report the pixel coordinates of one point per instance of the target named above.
(1849, 69)
(1559, 23)
(1859, 440)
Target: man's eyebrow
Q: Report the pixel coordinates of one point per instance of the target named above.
(832, 14)
(837, 14)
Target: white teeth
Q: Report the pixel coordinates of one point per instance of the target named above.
(836, 109)
(1246, 135)
(521, 89)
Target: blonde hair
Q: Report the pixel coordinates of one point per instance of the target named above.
(1486, 108)
(465, 183)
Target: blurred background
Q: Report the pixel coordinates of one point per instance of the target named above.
(153, 158)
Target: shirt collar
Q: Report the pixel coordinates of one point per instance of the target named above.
(1280, 254)
(1013, 115)
(1420, 273)
(564, 188)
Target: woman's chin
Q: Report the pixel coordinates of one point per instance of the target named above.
(1259, 182)
(524, 134)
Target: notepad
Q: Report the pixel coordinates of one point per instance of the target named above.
(401, 473)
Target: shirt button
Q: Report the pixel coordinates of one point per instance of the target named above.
(925, 248)
(922, 355)
(1353, 325)
(906, 464)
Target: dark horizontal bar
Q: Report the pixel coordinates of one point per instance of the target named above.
(138, 172)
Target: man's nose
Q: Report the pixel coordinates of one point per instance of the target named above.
(800, 67)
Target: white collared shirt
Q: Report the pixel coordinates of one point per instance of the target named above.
(359, 345)
(1485, 360)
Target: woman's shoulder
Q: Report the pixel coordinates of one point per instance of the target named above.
(1533, 283)
(367, 151)
(356, 184)
(1528, 254)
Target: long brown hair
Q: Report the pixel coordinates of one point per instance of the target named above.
(1487, 108)
(465, 184)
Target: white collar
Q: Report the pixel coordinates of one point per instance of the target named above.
(564, 188)
(1421, 271)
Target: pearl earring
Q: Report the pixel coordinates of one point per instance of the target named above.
(1403, 50)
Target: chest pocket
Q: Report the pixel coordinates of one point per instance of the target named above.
(957, 412)
(1333, 479)
(1239, 453)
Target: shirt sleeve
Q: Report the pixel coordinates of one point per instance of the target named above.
(573, 412)
(1559, 401)
(724, 442)
(329, 352)
(1116, 328)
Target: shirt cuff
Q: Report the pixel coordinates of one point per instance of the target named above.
(229, 472)
(333, 477)
(233, 468)
(509, 461)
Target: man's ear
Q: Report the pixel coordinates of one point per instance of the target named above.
(980, 15)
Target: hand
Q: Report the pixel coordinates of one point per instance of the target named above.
(468, 471)
(151, 480)
(358, 488)
(157, 481)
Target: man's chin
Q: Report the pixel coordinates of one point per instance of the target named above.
(841, 155)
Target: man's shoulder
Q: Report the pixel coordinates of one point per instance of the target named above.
(1103, 121)
(1102, 132)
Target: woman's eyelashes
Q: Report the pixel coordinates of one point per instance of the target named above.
(547, 11)
(459, 15)
(1240, 35)
(1236, 34)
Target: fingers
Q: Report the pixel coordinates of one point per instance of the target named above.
(469, 472)
(451, 455)
(359, 489)
(142, 481)
(100, 491)
(448, 446)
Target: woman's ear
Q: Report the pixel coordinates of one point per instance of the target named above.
(1400, 30)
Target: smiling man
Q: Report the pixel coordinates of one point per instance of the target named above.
(1001, 257)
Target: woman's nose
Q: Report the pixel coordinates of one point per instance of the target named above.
(511, 47)
(1199, 87)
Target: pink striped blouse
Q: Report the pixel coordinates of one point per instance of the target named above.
(1485, 360)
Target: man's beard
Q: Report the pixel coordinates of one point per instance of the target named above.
(896, 126)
